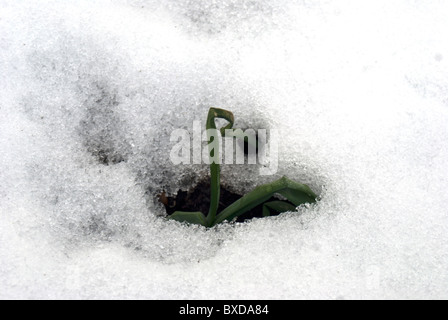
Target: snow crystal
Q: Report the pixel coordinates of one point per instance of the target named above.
(91, 91)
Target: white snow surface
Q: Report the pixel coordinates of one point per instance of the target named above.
(91, 90)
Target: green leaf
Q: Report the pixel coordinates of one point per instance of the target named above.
(279, 206)
(295, 192)
(190, 217)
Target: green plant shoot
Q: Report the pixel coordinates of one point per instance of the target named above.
(296, 193)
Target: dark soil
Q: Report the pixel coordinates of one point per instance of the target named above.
(198, 199)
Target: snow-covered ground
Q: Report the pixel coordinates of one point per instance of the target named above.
(90, 91)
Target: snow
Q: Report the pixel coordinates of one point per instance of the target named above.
(91, 90)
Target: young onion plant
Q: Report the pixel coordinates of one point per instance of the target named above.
(296, 193)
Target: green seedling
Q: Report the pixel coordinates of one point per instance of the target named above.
(296, 193)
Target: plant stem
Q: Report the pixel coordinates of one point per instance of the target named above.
(215, 183)
(215, 192)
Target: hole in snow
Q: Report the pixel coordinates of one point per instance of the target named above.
(198, 199)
